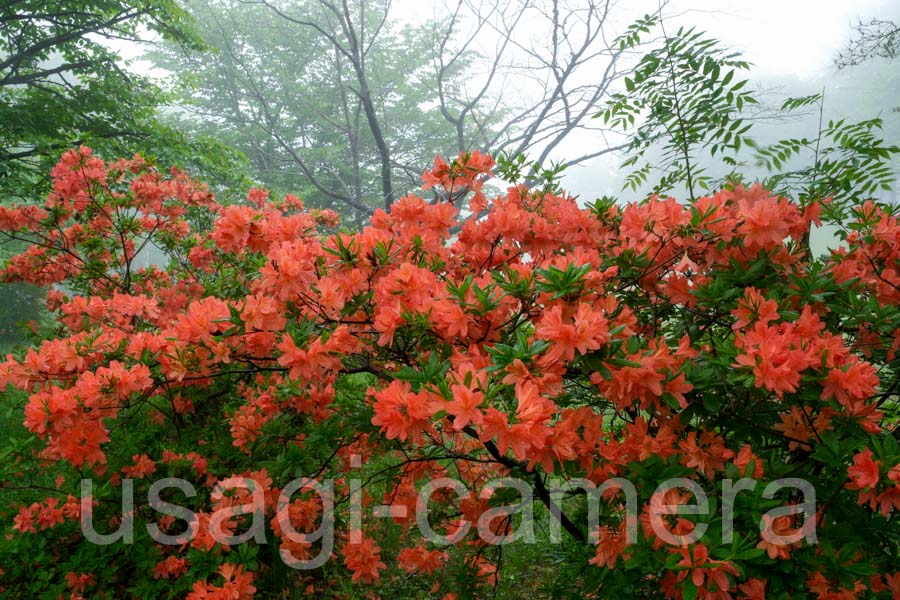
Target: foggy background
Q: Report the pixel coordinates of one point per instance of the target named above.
(791, 44)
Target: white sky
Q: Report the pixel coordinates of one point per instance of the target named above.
(793, 38)
(783, 37)
(778, 36)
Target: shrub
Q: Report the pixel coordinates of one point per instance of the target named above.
(655, 342)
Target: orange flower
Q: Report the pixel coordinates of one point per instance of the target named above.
(363, 559)
(611, 545)
(864, 473)
(465, 406)
(417, 558)
(753, 589)
(754, 307)
(170, 568)
(705, 572)
(78, 583)
(143, 467)
(828, 590)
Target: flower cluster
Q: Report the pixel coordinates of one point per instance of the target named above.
(536, 337)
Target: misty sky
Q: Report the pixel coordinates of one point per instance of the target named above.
(793, 38)
(781, 38)
(777, 36)
(798, 37)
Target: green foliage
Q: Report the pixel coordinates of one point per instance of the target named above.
(19, 304)
(686, 102)
(61, 86)
(279, 92)
(686, 96)
(846, 161)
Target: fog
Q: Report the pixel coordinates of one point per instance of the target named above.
(791, 45)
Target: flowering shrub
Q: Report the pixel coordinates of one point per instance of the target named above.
(556, 344)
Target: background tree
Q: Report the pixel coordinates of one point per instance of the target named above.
(874, 38)
(338, 101)
(549, 67)
(61, 85)
(287, 95)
